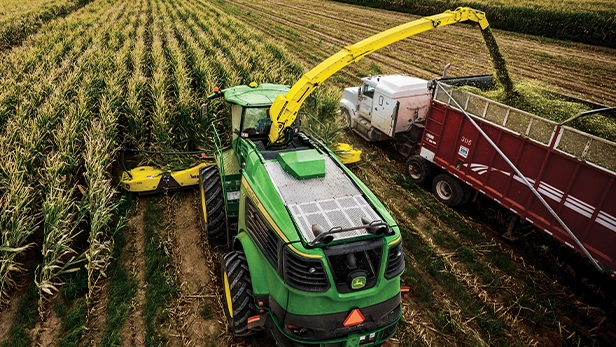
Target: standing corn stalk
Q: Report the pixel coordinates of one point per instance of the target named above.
(61, 216)
(19, 218)
(99, 196)
(99, 201)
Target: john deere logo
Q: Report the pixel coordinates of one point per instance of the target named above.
(358, 282)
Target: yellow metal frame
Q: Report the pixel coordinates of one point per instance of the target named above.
(346, 153)
(284, 109)
(145, 179)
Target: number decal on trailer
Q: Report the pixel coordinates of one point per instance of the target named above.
(466, 141)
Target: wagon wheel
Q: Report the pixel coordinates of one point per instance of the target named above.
(419, 169)
(448, 189)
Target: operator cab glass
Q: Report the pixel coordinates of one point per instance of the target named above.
(255, 123)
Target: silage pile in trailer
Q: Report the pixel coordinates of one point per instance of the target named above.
(535, 98)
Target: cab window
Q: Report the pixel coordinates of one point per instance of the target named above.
(368, 91)
(256, 121)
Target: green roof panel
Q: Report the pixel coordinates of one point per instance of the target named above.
(258, 96)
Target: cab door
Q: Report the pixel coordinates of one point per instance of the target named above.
(365, 101)
(384, 112)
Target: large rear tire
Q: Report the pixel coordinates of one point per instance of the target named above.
(448, 189)
(214, 219)
(238, 298)
(419, 169)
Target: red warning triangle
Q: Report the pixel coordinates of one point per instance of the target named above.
(354, 318)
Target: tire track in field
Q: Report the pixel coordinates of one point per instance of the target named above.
(133, 330)
(195, 317)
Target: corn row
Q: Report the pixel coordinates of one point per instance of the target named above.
(134, 106)
(61, 213)
(28, 132)
(30, 73)
(99, 196)
(16, 27)
(129, 70)
(160, 115)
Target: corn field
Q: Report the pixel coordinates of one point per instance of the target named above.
(587, 21)
(19, 19)
(112, 72)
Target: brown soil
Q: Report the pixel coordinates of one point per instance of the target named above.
(195, 277)
(97, 318)
(46, 332)
(133, 331)
(7, 313)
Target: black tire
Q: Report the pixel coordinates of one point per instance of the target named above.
(214, 219)
(419, 169)
(448, 189)
(346, 115)
(238, 300)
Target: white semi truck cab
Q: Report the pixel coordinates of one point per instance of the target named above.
(384, 107)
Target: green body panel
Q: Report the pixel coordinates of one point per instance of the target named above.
(303, 165)
(261, 95)
(243, 171)
(231, 177)
(268, 281)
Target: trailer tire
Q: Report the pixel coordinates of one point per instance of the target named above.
(419, 169)
(238, 299)
(448, 189)
(213, 219)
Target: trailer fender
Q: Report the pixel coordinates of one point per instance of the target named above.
(245, 243)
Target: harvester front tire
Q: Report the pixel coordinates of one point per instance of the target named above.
(238, 298)
(448, 189)
(214, 216)
(419, 169)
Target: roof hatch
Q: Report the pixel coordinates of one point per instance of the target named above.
(303, 165)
